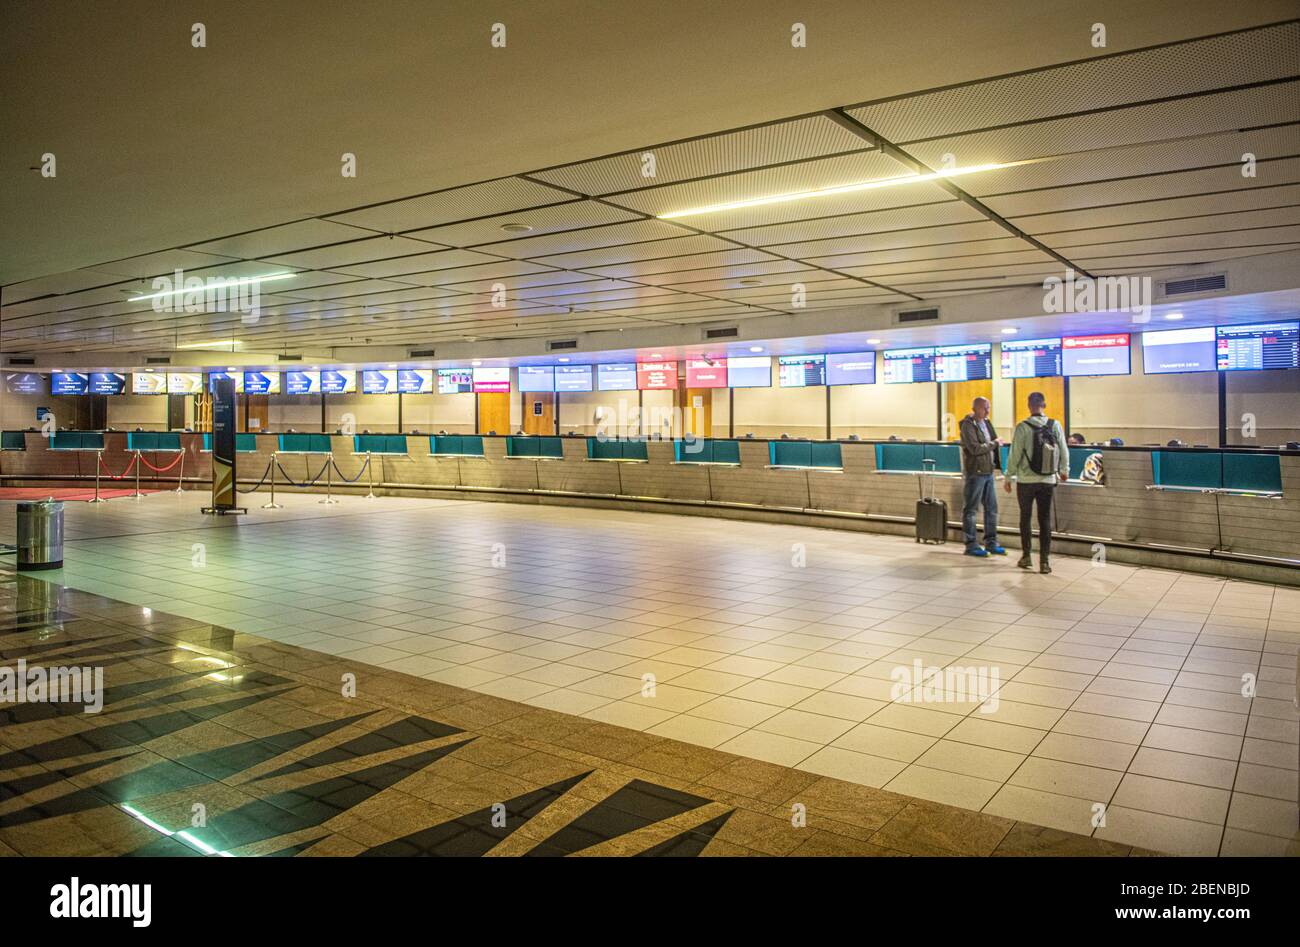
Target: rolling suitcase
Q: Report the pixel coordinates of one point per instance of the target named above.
(931, 512)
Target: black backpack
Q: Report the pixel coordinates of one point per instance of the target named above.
(1043, 459)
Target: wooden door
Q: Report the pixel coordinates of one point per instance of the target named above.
(494, 412)
(1052, 388)
(535, 423)
(957, 398)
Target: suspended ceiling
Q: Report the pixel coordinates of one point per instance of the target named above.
(1121, 163)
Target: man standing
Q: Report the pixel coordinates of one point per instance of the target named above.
(980, 458)
(1038, 458)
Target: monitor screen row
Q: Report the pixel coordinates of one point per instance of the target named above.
(1227, 348)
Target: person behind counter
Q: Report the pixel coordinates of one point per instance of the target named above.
(981, 459)
(1076, 440)
(1038, 458)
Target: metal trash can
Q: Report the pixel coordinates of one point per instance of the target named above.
(40, 535)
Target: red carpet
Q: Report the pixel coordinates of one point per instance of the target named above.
(64, 493)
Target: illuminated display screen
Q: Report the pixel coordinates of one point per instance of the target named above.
(1257, 347)
(69, 383)
(801, 371)
(573, 378)
(656, 376)
(536, 378)
(302, 383)
(1031, 358)
(492, 379)
(25, 383)
(184, 383)
(414, 381)
(378, 381)
(963, 362)
(1181, 350)
(1095, 354)
(851, 368)
(237, 377)
(706, 373)
(262, 383)
(751, 371)
(620, 376)
(903, 366)
(455, 381)
(107, 383)
(338, 381)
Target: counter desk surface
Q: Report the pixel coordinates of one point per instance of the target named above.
(1240, 505)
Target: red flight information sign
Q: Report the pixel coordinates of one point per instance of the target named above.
(706, 373)
(656, 376)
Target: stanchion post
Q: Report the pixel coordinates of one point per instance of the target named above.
(273, 505)
(99, 460)
(180, 480)
(370, 472)
(329, 479)
(138, 494)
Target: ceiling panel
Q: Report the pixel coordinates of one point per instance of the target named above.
(801, 139)
(918, 237)
(726, 273)
(527, 281)
(56, 284)
(846, 225)
(1149, 187)
(637, 231)
(1182, 118)
(1104, 82)
(483, 271)
(340, 290)
(639, 269)
(456, 204)
(286, 238)
(555, 218)
(417, 263)
(1199, 207)
(653, 250)
(1242, 223)
(1224, 148)
(988, 264)
(356, 251)
(1000, 246)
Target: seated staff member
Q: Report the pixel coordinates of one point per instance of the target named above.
(1076, 440)
(1038, 458)
(981, 458)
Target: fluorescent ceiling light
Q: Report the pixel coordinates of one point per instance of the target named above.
(271, 277)
(912, 178)
(219, 343)
(1173, 315)
(1009, 331)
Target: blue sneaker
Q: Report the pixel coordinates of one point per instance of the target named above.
(977, 551)
(996, 550)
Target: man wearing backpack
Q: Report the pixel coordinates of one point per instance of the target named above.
(1038, 458)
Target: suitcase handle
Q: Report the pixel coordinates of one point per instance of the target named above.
(927, 470)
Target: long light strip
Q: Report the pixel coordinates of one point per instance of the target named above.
(227, 283)
(912, 178)
(219, 343)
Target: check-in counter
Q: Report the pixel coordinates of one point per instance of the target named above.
(1232, 511)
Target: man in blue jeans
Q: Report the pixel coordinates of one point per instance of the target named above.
(981, 458)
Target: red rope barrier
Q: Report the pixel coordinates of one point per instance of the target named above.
(122, 475)
(176, 460)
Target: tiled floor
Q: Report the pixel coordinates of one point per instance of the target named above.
(1118, 690)
(213, 742)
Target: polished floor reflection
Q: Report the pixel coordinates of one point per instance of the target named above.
(1116, 687)
(212, 742)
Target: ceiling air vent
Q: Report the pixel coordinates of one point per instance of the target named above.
(913, 316)
(422, 353)
(22, 361)
(722, 332)
(157, 360)
(1196, 284)
(288, 358)
(561, 345)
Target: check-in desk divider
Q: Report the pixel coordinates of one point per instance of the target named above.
(1232, 510)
